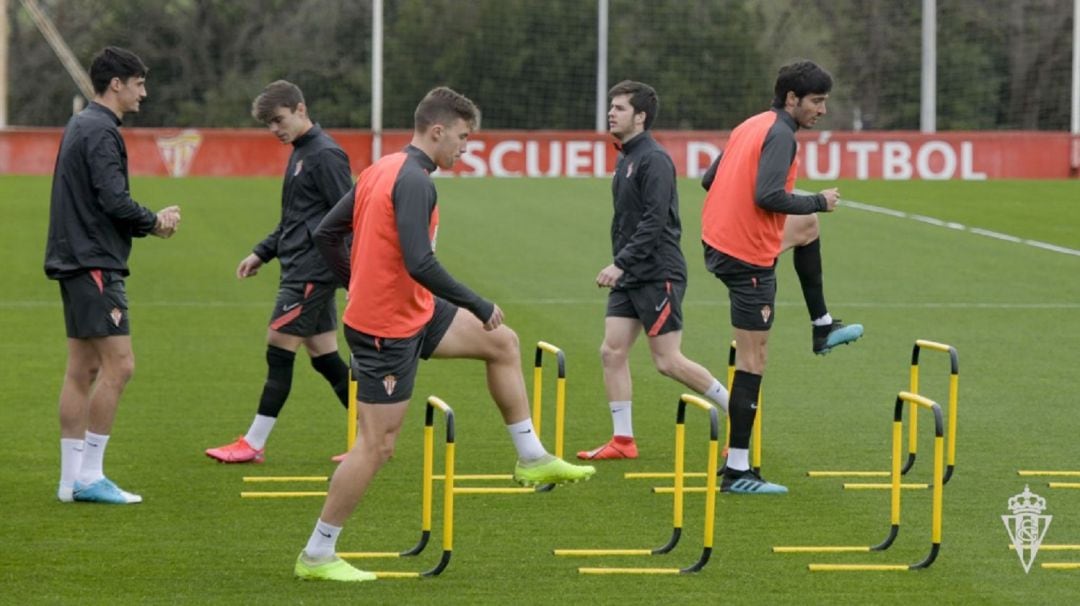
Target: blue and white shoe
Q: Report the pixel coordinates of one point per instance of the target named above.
(829, 336)
(104, 491)
(747, 482)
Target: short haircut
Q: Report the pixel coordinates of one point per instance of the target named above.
(279, 93)
(643, 98)
(115, 62)
(443, 105)
(803, 78)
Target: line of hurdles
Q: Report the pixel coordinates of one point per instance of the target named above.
(944, 440)
(448, 477)
(679, 475)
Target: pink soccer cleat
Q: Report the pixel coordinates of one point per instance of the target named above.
(237, 452)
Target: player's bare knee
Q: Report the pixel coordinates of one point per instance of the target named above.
(809, 231)
(506, 344)
(667, 365)
(612, 355)
(83, 377)
(122, 369)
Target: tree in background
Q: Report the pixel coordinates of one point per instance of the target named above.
(530, 64)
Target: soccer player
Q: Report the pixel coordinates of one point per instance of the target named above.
(647, 275)
(316, 177)
(92, 219)
(802, 233)
(743, 232)
(404, 306)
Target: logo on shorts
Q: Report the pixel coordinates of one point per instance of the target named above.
(299, 167)
(389, 382)
(766, 312)
(288, 306)
(116, 315)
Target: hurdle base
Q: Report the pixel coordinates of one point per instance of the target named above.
(823, 549)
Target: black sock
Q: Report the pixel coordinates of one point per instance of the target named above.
(334, 370)
(278, 380)
(742, 408)
(807, 261)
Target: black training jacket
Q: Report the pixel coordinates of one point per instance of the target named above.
(92, 217)
(645, 229)
(316, 177)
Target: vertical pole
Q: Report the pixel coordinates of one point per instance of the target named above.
(928, 103)
(376, 78)
(1076, 69)
(601, 64)
(4, 63)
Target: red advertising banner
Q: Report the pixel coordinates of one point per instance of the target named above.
(826, 155)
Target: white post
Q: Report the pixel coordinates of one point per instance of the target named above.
(1076, 69)
(376, 78)
(928, 102)
(3, 64)
(601, 64)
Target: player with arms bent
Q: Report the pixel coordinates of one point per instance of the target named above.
(404, 306)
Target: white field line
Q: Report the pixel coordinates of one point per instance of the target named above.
(959, 227)
(849, 203)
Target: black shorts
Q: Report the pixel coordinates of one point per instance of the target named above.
(95, 304)
(657, 304)
(751, 289)
(305, 309)
(385, 369)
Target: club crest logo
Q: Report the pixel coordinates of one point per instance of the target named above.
(299, 167)
(116, 316)
(178, 153)
(766, 313)
(629, 169)
(389, 383)
(1027, 525)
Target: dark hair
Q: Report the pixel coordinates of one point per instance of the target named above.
(443, 105)
(115, 62)
(279, 93)
(802, 78)
(643, 98)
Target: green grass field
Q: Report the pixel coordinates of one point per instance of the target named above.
(535, 246)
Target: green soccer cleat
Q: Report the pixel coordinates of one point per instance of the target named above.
(550, 469)
(336, 569)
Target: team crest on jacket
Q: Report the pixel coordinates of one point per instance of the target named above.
(766, 311)
(629, 169)
(116, 316)
(299, 167)
(389, 382)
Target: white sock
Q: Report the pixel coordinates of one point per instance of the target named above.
(71, 456)
(93, 458)
(823, 320)
(259, 431)
(525, 440)
(718, 393)
(738, 459)
(323, 542)
(622, 418)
